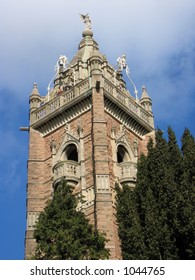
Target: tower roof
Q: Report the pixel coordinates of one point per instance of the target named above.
(87, 47)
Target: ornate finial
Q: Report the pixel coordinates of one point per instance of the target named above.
(35, 89)
(144, 92)
(53, 147)
(113, 132)
(66, 127)
(135, 147)
(87, 21)
(80, 129)
(35, 85)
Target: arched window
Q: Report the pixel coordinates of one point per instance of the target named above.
(122, 154)
(71, 152)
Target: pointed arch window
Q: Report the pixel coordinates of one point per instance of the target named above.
(122, 154)
(71, 152)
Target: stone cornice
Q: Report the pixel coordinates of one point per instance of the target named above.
(125, 116)
(64, 114)
(126, 103)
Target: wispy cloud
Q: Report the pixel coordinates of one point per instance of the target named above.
(158, 38)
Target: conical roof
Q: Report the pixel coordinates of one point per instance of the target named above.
(35, 89)
(87, 48)
(144, 93)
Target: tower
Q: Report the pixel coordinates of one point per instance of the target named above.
(89, 129)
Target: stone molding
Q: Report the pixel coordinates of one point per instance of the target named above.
(102, 183)
(32, 218)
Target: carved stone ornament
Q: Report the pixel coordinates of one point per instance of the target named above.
(53, 147)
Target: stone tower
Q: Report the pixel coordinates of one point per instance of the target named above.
(89, 129)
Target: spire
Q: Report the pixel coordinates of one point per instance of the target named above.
(145, 100)
(144, 93)
(35, 89)
(35, 98)
(87, 45)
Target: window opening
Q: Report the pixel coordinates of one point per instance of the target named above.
(71, 152)
(122, 154)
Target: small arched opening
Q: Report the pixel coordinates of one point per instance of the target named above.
(122, 154)
(71, 153)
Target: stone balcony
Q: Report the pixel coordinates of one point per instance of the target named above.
(69, 169)
(127, 172)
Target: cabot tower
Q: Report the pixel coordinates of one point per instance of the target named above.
(89, 129)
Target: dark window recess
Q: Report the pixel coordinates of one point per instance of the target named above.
(122, 154)
(71, 152)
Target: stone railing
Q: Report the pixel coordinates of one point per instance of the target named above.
(59, 101)
(128, 101)
(127, 171)
(69, 169)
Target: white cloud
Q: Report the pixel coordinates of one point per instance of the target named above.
(157, 36)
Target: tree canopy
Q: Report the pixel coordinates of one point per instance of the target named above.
(63, 233)
(157, 219)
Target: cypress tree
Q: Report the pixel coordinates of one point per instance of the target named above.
(161, 194)
(186, 217)
(129, 228)
(64, 233)
(155, 201)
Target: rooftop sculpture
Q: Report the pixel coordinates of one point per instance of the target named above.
(87, 21)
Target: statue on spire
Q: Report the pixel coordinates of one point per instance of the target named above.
(87, 21)
(121, 62)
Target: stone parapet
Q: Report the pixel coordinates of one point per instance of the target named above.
(69, 169)
(59, 101)
(127, 171)
(134, 108)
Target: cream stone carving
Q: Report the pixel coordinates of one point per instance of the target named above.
(32, 218)
(103, 183)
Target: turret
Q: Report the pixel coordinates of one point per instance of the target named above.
(145, 100)
(35, 98)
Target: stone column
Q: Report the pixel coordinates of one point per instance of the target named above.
(103, 208)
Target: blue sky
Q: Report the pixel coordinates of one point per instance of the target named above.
(158, 38)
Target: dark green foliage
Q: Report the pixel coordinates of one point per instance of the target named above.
(163, 202)
(63, 233)
(186, 215)
(129, 225)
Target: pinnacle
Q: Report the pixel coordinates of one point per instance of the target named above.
(144, 93)
(35, 89)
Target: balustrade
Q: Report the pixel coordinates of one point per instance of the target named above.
(69, 169)
(81, 88)
(128, 101)
(127, 171)
(60, 101)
